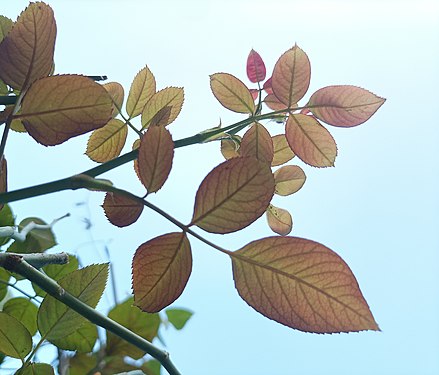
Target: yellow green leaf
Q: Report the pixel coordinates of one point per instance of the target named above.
(27, 50)
(233, 195)
(142, 89)
(24, 311)
(301, 284)
(5, 26)
(232, 93)
(15, 339)
(288, 179)
(282, 150)
(161, 269)
(163, 107)
(279, 220)
(230, 147)
(107, 142)
(178, 317)
(82, 340)
(121, 211)
(37, 369)
(310, 141)
(257, 143)
(291, 76)
(115, 90)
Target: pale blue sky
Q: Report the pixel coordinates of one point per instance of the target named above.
(378, 208)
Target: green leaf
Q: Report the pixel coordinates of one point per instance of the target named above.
(151, 367)
(81, 364)
(24, 311)
(37, 369)
(15, 339)
(6, 220)
(82, 340)
(56, 320)
(4, 278)
(178, 317)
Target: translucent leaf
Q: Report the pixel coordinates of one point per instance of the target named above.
(279, 220)
(4, 278)
(15, 339)
(24, 311)
(115, 90)
(178, 317)
(256, 71)
(344, 106)
(230, 147)
(301, 284)
(5, 26)
(291, 76)
(257, 143)
(232, 93)
(255, 93)
(27, 50)
(233, 195)
(107, 142)
(274, 103)
(163, 107)
(56, 320)
(161, 269)
(82, 340)
(144, 324)
(268, 87)
(288, 179)
(58, 108)
(142, 89)
(37, 369)
(156, 153)
(310, 141)
(282, 150)
(121, 211)
(3, 178)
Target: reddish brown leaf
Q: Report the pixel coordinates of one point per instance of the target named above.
(291, 76)
(27, 50)
(255, 93)
(115, 90)
(310, 141)
(288, 179)
(268, 87)
(282, 150)
(120, 210)
(141, 90)
(279, 220)
(257, 143)
(230, 147)
(256, 71)
(156, 153)
(344, 106)
(161, 269)
(58, 108)
(301, 284)
(163, 107)
(233, 195)
(3, 177)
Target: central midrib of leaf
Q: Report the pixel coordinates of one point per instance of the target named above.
(237, 96)
(48, 112)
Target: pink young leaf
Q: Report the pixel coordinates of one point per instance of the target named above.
(256, 71)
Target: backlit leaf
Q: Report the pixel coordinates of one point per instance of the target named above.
(156, 153)
(233, 195)
(144, 324)
(151, 367)
(288, 179)
(230, 147)
(3, 178)
(55, 319)
(310, 141)
(274, 103)
(81, 364)
(15, 339)
(142, 89)
(58, 108)
(82, 340)
(279, 220)
(163, 107)
(344, 106)
(27, 50)
(232, 93)
(282, 150)
(107, 142)
(37, 369)
(24, 311)
(257, 143)
(5, 26)
(268, 86)
(4, 278)
(301, 284)
(178, 317)
(256, 71)
(121, 211)
(115, 90)
(291, 76)
(161, 269)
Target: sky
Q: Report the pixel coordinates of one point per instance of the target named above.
(378, 208)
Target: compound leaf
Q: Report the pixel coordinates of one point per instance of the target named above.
(121, 211)
(142, 89)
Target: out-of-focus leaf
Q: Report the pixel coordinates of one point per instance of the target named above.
(142, 89)
(121, 211)
(233, 195)
(279, 220)
(15, 339)
(5, 26)
(7, 219)
(291, 76)
(27, 50)
(4, 277)
(282, 150)
(257, 143)
(7, 111)
(178, 317)
(268, 87)
(161, 269)
(230, 147)
(151, 367)
(107, 142)
(163, 107)
(82, 340)
(118, 366)
(344, 106)
(256, 71)
(55, 319)
(302, 284)
(144, 324)
(24, 311)
(274, 103)
(3, 178)
(156, 153)
(288, 179)
(116, 92)
(232, 93)
(37, 369)
(81, 364)
(310, 141)
(58, 108)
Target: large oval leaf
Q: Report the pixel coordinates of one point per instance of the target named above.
(141, 90)
(257, 143)
(161, 269)
(15, 339)
(27, 50)
(256, 71)
(288, 179)
(291, 76)
(344, 106)
(58, 108)
(233, 195)
(310, 141)
(302, 284)
(121, 211)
